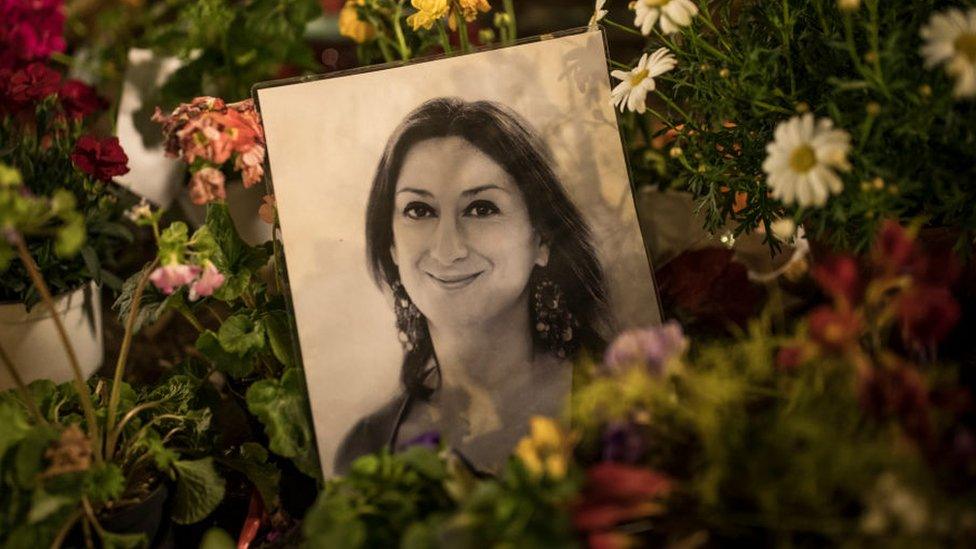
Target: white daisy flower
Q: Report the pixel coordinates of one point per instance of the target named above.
(802, 158)
(950, 40)
(631, 92)
(598, 12)
(673, 14)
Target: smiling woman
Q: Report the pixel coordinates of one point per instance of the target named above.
(494, 279)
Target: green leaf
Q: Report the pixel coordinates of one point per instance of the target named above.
(425, 461)
(43, 505)
(241, 335)
(111, 540)
(199, 490)
(281, 407)
(234, 285)
(332, 522)
(105, 482)
(29, 456)
(252, 460)
(221, 227)
(173, 240)
(279, 336)
(152, 305)
(13, 424)
(231, 364)
(217, 538)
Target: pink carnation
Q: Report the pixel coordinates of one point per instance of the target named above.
(207, 185)
(209, 281)
(170, 277)
(652, 347)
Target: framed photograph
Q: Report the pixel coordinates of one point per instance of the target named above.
(457, 231)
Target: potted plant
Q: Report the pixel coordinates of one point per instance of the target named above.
(92, 460)
(42, 134)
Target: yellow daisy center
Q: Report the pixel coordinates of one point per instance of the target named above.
(638, 77)
(803, 159)
(656, 3)
(966, 45)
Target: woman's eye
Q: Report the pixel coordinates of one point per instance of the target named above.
(481, 208)
(418, 210)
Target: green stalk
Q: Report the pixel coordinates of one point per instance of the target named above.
(618, 26)
(80, 385)
(130, 322)
(22, 387)
(512, 28)
(679, 110)
(445, 41)
(401, 41)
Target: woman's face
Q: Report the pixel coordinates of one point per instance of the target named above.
(462, 237)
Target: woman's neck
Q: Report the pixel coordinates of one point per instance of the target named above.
(485, 354)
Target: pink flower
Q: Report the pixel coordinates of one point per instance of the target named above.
(170, 277)
(250, 163)
(652, 347)
(207, 185)
(31, 30)
(209, 281)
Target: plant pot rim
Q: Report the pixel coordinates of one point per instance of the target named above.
(60, 300)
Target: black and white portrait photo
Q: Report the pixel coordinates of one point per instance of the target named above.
(457, 233)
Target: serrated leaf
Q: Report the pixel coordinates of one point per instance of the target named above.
(221, 226)
(199, 490)
(105, 482)
(241, 335)
(153, 303)
(252, 460)
(281, 407)
(229, 363)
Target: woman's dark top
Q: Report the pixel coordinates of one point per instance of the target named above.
(372, 433)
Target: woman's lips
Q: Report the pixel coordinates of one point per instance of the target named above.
(453, 282)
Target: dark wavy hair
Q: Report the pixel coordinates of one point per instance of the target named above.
(501, 134)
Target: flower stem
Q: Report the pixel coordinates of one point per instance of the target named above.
(191, 318)
(22, 388)
(462, 32)
(619, 65)
(510, 11)
(678, 109)
(401, 41)
(618, 26)
(445, 41)
(80, 385)
(130, 322)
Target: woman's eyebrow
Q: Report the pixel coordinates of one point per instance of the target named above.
(482, 188)
(415, 191)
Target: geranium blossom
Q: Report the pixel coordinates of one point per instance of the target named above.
(672, 15)
(632, 91)
(950, 40)
(803, 158)
(207, 185)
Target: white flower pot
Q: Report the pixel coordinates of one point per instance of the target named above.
(31, 338)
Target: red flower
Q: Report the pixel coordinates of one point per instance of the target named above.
(894, 248)
(838, 276)
(101, 159)
(616, 493)
(833, 329)
(33, 83)
(789, 358)
(927, 314)
(709, 286)
(897, 391)
(79, 99)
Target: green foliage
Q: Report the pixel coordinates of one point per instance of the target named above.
(199, 489)
(251, 459)
(215, 538)
(756, 64)
(281, 406)
(228, 45)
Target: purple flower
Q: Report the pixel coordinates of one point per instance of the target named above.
(622, 442)
(652, 347)
(209, 281)
(170, 277)
(430, 439)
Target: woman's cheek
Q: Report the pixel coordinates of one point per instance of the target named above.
(411, 236)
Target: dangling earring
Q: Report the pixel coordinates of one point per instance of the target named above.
(409, 320)
(554, 323)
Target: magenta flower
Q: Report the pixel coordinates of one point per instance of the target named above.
(209, 281)
(652, 347)
(31, 30)
(170, 277)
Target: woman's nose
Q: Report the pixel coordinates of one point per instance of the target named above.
(448, 245)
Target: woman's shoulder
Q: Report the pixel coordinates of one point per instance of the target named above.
(370, 434)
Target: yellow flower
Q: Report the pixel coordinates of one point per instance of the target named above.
(547, 449)
(428, 12)
(351, 26)
(469, 10)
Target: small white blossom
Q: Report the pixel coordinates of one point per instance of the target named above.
(672, 14)
(783, 229)
(801, 160)
(631, 92)
(950, 40)
(139, 212)
(598, 12)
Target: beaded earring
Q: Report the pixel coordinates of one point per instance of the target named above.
(554, 323)
(409, 320)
